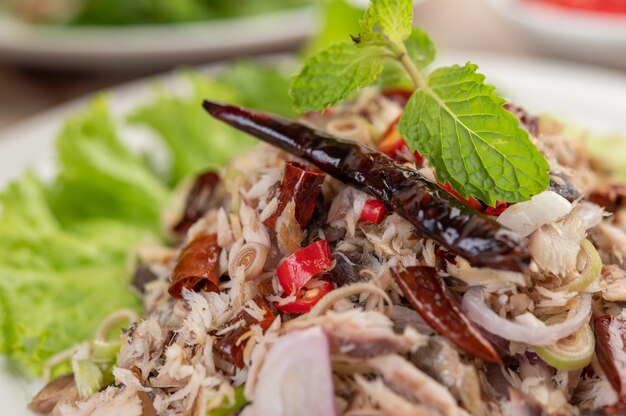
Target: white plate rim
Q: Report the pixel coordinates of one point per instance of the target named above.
(112, 47)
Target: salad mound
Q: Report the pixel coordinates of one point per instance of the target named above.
(425, 248)
(293, 292)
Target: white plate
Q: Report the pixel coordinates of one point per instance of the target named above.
(149, 46)
(592, 37)
(588, 97)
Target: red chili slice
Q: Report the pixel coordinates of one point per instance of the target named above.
(197, 268)
(303, 184)
(426, 292)
(611, 351)
(394, 146)
(296, 270)
(373, 211)
(307, 298)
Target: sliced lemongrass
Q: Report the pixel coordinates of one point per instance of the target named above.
(591, 271)
(571, 353)
(88, 376)
(251, 257)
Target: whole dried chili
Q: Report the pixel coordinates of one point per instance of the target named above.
(611, 351)
(230, 347)
(426, 292)
(198, 201)
(197, 268)
(611, 197)
(434, 213)
(302, 184)
(529, 122)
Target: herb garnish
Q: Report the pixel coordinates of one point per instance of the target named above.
(453, 118)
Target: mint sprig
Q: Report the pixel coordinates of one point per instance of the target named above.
(453, 118)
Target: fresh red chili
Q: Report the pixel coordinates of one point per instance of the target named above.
(471, 202)
(373, 211)
(424, 289)
(307, 298)
(393, 145)
(296, 270)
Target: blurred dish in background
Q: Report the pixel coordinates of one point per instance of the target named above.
(587, 30)
(156, 41)
(599, 6)
(124, 12)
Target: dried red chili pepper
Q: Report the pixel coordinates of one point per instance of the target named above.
(198, 201)
(230, 347)
(398, 94)
(302, 184)
(197, 268)
(426, 292)
(530, 123)
(433, 212)
(497, 210)
(373, 211)
(307, 298)
(610, 196)
(611, 351)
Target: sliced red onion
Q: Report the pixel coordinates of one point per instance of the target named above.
(296, 377)
(590, 214)
(526, 217)
(479, 312)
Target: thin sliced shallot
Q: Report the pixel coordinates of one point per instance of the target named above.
(526, 217)
(480, 313)
(296, 377)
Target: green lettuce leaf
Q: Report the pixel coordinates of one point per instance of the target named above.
(44, 312)
(260, 87)
(100, 178)
(340, 20)
(66, 247)
(195, 142)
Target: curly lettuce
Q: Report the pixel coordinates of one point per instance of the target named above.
(66, 246)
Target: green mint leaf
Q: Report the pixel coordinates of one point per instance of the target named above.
(459, 124)
(393, 17)
(335, 74)
(422, 52)
(420, 47)
(394, 75)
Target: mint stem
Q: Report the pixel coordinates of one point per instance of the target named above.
(411, 69)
